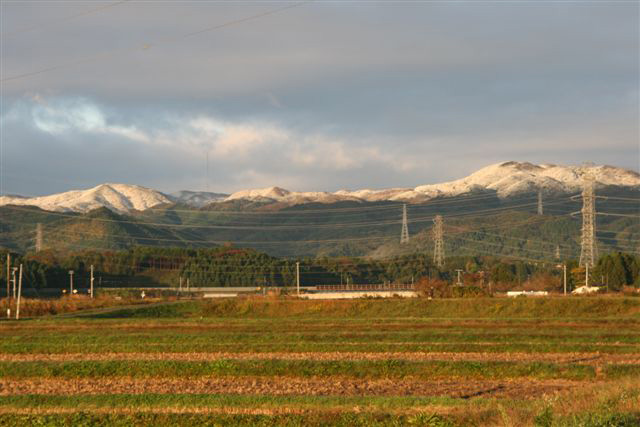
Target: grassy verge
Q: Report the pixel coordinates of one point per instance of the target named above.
(36, 307)
(572, 307)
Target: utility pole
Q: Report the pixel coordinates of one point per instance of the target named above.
(38, 237)
(459, 282)
(8, 275)
(404, 234)
(557, 252)
(70, 282)
(589, 250)
(13, 275)
(8, 286)
(438, 241)
(13, 280)
(564, 275)
(298, 277)
(539, 202)
(91, 282)
(19, 293)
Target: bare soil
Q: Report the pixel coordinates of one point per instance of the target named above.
(594, 359)
(326, 386)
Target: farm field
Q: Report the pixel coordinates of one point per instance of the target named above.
(546, 362)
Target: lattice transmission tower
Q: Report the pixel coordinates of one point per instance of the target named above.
(589, 249)
(404, 234)
(540, 202)
(38, 237)
(438, 241)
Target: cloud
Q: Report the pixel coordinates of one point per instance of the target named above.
(74, 115)
(320, 97)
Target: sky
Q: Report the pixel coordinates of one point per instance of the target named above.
(313, 96)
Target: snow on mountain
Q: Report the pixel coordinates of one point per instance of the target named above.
(196, 199)
(512, 178)
(278, 194)
(506, 179)
(120, 198)
(373, 195)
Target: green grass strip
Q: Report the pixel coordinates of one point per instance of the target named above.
(201, 420)
(151, 400)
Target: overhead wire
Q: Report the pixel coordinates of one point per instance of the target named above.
(145, 46)
(9, 34)
(258, 227)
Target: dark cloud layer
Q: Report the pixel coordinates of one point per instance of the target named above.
(318, 97)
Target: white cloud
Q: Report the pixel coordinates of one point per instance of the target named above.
(75, 115)
(255, 145)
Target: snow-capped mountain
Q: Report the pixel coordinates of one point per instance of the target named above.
(120, 198)
(506, 179)
(196, 199)
(512, 178)
(278, 194)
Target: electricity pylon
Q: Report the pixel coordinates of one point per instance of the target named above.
(539, 202)
(404, 234)
(38, 237)
(589, 250)
(438, 241)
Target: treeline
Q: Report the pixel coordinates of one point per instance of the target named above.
(230, 266)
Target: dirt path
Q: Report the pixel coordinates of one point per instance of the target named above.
(561, 358)
(327, 386)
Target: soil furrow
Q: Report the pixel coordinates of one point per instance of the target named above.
(561, 358)
(326, 386)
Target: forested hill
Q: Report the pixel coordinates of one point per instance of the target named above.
(475, 224)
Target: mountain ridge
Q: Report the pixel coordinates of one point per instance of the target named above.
(506, 179)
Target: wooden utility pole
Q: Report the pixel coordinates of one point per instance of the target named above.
(19, 294)
(564, 273)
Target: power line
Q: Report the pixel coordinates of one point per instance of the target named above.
(147, 46)
(9, 34)
(260, 227)
(222, 241)
(619, 215)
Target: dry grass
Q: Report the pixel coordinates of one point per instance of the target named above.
(35, 307)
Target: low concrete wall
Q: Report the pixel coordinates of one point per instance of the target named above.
(220, 295)
(353, 295)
